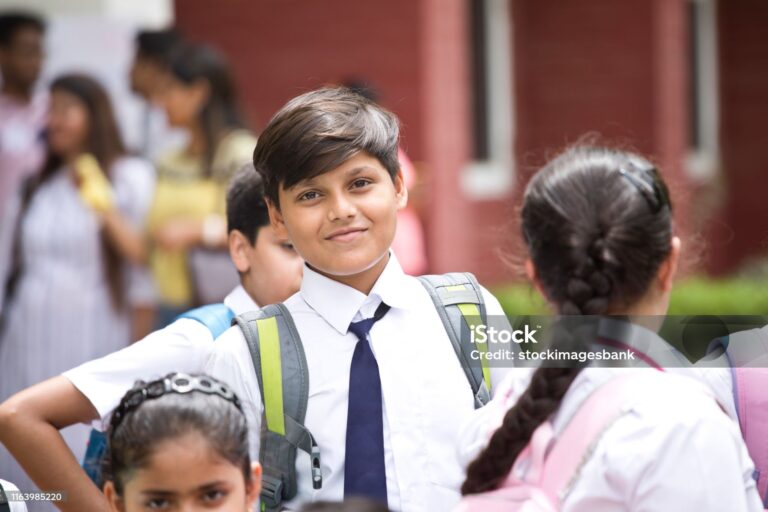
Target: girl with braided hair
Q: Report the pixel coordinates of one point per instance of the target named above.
(180, 443)
(598, 227)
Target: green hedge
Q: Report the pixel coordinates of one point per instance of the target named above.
(693, 296)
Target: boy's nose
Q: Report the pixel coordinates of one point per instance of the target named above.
(341, 208)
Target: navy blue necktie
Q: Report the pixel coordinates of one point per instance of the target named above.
(364, 472)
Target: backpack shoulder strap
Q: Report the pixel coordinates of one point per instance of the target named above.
(459, 301)
(609, 402)
(216, 317)
(281, 368)
(746, 354)
(4, 505)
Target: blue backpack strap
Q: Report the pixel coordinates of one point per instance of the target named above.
(94, 456)
(216, 317)
(459, 302)
(281, 369)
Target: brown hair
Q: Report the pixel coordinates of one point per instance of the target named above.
(104, 142)
(598, 224)
(320, 130)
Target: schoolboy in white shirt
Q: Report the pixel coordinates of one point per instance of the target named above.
(270, 270)
(333, 186)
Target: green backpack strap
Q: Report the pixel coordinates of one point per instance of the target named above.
(281, 367)
(458, 299)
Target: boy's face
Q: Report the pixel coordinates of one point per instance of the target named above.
(22, 60)
(343, 221)
(270, 269)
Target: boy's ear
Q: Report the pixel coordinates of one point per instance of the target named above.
(254, 488)
(401, 191)
(238, 250)
(668, 269)
(276, 220)
(115, 502)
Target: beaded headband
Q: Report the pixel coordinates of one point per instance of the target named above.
(180, 383)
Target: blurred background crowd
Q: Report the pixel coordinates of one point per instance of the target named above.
(121, 123)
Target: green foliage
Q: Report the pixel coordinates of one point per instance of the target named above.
(693, 296)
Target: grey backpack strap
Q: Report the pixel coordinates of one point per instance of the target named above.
(458, 299)
(281, 368)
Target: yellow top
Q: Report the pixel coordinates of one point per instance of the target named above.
(182, 192)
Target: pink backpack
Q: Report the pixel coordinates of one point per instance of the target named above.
(554, 464)
(747, 359)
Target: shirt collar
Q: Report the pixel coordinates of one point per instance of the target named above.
(644, 340)
(338, 303)
(240, 302)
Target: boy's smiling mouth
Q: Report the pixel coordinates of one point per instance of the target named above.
(346, 234)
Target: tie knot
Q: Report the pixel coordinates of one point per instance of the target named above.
(363, 327)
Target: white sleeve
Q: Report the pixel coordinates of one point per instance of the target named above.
(181, 347)
(691, 458)
(229, 360)
(477, 430)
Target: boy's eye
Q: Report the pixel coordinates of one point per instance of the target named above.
(309, 195)
(287, 246)
(360, 183)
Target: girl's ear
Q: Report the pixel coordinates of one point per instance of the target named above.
(668, 269)
(254, 488)
(276, 220)
(401, 191)
(530, 272)
(115, 502)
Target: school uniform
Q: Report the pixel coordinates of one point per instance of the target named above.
(181, 347)
(425, 393)
(662, 455)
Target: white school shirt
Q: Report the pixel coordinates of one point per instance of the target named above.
(662, 456)
(425, 391)
(180, 347)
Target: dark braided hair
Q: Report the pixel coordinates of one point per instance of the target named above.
(598, 224)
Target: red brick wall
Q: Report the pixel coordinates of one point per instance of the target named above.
(616, 69)
(580, 66)
(744, 136)
(281, 48)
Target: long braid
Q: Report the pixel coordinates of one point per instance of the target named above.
(588, 295)
(597, 224)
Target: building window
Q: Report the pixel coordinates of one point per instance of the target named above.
(704, 105)
(491, 173)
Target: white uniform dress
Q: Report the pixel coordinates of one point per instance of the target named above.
(61, 314)
(662, 456)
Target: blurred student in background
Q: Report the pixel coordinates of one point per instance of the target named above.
(188, 211)
(78, 229)
(148, 71)
(156, 137)
(22, 113)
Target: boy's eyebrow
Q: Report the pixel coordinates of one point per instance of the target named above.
(352, 172)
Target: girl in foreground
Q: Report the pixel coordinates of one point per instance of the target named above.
(180, 443)
(598, 227)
